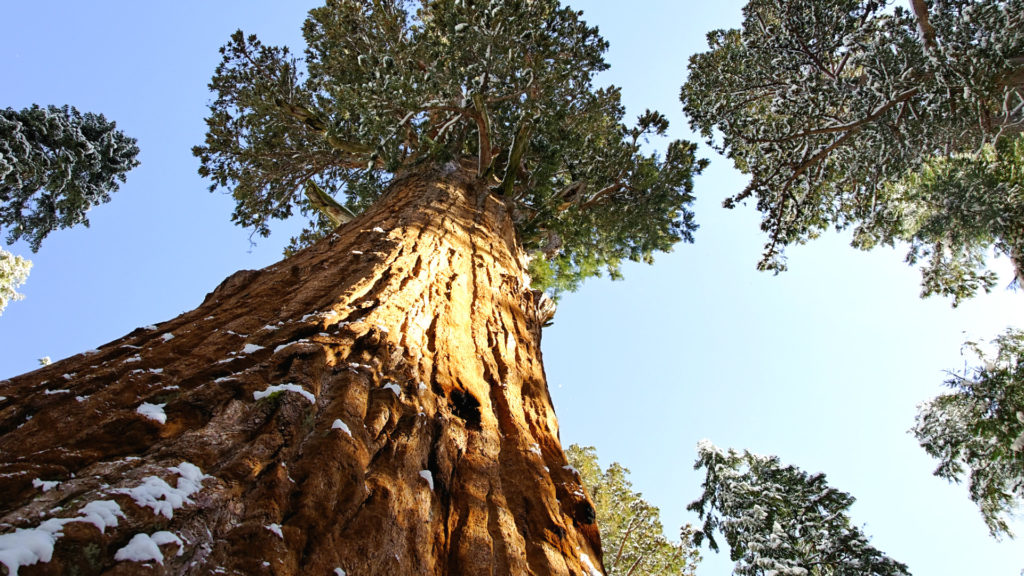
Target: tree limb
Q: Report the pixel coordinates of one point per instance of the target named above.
(327, 206)
(851, 126)
(515, 156)
(313, 122)
(924, 26)
(483, 127)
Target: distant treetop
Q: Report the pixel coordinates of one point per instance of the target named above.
(55, 165)
(904, 125)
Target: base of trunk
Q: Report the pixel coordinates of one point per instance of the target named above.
(375, 404)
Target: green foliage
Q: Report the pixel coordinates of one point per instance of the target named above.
(631, 531)
(780, 520)
(55, 165)
(952, 211)
(979, 428)
(13, 273)
(843, 117)
(386, 86)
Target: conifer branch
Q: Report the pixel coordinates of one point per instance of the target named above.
(313, 122)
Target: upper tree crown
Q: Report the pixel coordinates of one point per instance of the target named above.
(386, 85)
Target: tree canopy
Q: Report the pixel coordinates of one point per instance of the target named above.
(904, 125)
(631, 532)
(780, 520)
(385, 86)
(977, 430)
(13, 272)
(55, 165)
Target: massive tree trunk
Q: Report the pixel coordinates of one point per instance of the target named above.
(375, 404)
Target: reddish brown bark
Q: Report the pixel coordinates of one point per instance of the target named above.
(413, 330)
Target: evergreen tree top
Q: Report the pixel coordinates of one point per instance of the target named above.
(827, 104)
(780, 520)
(56, 163)
(977, 429)
(389, 85)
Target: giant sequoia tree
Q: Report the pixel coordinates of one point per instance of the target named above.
(902, 124)
(375, 403)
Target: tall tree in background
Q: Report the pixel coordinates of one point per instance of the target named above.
(13, 272)
(977, 430)
(904, 125)
(376, 403)
(55, 165)
(781, 521)
(631, 531)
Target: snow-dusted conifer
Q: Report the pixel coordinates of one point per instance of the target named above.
(832, 106)
(977, 430)
(779, 520)
(631, 532)
(55, 164)
(13, 272)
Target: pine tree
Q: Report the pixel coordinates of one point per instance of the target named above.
(978, 430)
(375, 403)
(903, 125)
(13, 272)
(631, 531)
(55, 165)
(781, 521)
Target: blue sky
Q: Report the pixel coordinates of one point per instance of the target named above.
(822, 365)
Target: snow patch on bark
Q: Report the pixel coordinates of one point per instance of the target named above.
(285, 388)
(591, 570)
(102, 514)
(276, 529)
(250, 348)
(153, 411)
(45, 485)
(339, 425)
(146, 548)
(28, 546)
(158, 495)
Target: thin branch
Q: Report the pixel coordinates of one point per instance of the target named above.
(611, 188)
(623, 540)
(852, 126)
(310, 120)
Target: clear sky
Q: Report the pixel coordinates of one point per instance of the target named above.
(822, 365)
